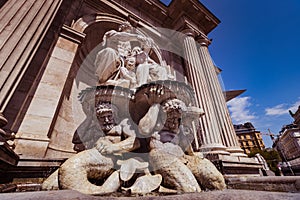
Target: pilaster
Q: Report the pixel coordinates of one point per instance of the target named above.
(23, 24)
(33, 135)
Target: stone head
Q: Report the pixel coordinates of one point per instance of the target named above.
(130, 63)
(125, 27)
(136, 50)
(173, 110)
(107, 116)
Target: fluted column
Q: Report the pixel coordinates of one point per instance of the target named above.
(23, 23)
(210, 135)
(223, 122)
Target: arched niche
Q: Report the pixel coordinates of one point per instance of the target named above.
(94, 27)
(81, 76)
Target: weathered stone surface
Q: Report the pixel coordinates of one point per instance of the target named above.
(129, 167)
(206, 173)
(90, 164)
(145, 184)
(51, 183)
(175, 173)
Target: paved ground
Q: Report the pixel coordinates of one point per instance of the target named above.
(212, 195)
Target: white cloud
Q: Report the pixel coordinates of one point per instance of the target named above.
(239, 109)
(282, 109)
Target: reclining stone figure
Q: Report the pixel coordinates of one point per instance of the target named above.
(181, 168)
(99, 163)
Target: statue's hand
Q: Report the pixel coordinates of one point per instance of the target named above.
(155, 136)
(102, 145)
(154, 94)
(113, 148)
(116, 130)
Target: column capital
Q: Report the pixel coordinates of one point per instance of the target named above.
(203, 40)
(189, 32)
(187, 27)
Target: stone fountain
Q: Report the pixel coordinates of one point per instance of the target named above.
(139, 128)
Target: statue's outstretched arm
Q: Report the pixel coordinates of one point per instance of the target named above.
(130, 143)
(149, 121)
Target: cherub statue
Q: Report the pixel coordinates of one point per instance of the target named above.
(117, 49)
(147, 69)
(126, 76)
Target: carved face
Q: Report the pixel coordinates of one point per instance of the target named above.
(130, 63)
(136, 50)
(173, 119)
(106, 121)
(125, 27)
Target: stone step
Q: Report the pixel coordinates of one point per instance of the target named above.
(266, 183)
(211, 195)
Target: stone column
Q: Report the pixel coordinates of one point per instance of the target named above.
(23, 24)
(223, 120)
(33, 135)
(210, 134)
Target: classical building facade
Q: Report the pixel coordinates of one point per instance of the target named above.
(288, 146)
(249, 138)
(296, 116)
(48, 49)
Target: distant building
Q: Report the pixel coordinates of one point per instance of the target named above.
(289, 140)
(248, 137)
(296, 116)
(288, 146)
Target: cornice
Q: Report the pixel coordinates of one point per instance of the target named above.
(198, 14)
(168, 16)
(71, 34)
(185, 26)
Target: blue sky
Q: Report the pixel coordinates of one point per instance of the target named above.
(257, 46)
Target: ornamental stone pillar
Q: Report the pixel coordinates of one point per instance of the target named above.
(210, 134)
(32, 138)
(23, 23)
(223, 120)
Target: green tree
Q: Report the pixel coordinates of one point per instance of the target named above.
(271, 156)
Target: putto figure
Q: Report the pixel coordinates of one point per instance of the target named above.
(122, 64)
(117, 48)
